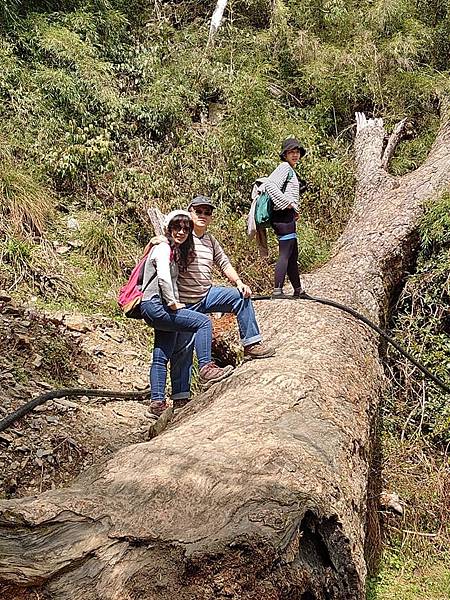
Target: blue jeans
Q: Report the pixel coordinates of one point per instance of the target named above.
(167, 323)
(218, 299)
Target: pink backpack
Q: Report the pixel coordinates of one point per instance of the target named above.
(130, 295)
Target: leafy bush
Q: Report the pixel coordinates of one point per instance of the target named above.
(423, 326)
(117, 105)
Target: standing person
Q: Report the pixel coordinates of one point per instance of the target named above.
(198, 293)
(161, 308)
(284, 188)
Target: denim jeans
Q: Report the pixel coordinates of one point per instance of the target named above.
(167, 323)
(218, 299)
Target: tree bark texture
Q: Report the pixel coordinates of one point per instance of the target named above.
(258, 491)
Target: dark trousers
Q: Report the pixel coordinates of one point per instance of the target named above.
(288, 256)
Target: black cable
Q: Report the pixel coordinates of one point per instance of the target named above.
(32, 404)
(92, 393)
(369, 323)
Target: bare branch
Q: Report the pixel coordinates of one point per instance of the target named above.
(156, 219)
(216, 19)
(394, 139)
(370, 135)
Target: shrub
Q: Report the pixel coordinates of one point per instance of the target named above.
(25, 205)
(423, 326)
(102, 245)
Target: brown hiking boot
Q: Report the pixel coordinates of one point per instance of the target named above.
(156, 409)
(211, 373)
(258, 350)
(179, 403)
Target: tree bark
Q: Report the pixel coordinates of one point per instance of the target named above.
(259, 489)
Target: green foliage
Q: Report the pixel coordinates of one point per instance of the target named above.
(412, 152)
(313, 249)
(117, 105)
(415, 562)
(25, 204)
(435, 228)
(102, 245)
(249, 130)
(410, 578)
(86, 150)
(423, 325)
(16, 254)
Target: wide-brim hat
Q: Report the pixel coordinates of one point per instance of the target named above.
(200, 201)
(173, 214)
(291, 144)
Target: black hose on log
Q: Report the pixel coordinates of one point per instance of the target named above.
(369, 323)
(32, 404)
(65, 392)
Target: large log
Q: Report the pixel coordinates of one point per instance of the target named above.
(259, 490)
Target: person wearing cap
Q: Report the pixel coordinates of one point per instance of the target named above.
(199, 294)
(161, 308)
(284, 187)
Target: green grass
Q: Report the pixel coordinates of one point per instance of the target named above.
(405, 578)
(95, 289)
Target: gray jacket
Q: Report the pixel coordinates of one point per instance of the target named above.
(164, 284)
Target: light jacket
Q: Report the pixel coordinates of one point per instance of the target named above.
(164, 284)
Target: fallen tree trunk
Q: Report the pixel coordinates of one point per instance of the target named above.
(258, 490)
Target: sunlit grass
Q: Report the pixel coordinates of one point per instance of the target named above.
(25, 205)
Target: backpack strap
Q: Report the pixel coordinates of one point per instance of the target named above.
(149, 282)
(290, 175)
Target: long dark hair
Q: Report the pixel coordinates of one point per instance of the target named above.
(183, 254)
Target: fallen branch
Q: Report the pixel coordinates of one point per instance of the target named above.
(216, 19)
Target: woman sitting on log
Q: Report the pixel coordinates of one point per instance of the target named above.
(162, 310)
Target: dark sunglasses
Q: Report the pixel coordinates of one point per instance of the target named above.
(180, 227)
(207, 212)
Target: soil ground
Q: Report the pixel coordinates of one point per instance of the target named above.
(58, 440)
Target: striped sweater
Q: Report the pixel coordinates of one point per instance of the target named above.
(275, 182)
(194, 283)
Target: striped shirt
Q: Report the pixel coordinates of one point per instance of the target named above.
(194, 283)
(275, 182)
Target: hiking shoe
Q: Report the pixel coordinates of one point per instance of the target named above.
(301, 293)
(180, 403)
(211, 373)
(258, 350)
(156, 409)
(278, 294)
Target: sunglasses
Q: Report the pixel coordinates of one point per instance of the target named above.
(180, 227)
(207, 212)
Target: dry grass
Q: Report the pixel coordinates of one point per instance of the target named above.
(415, 562)
(421, 477)
(33, 267)
(25, 205)
(103, 244)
